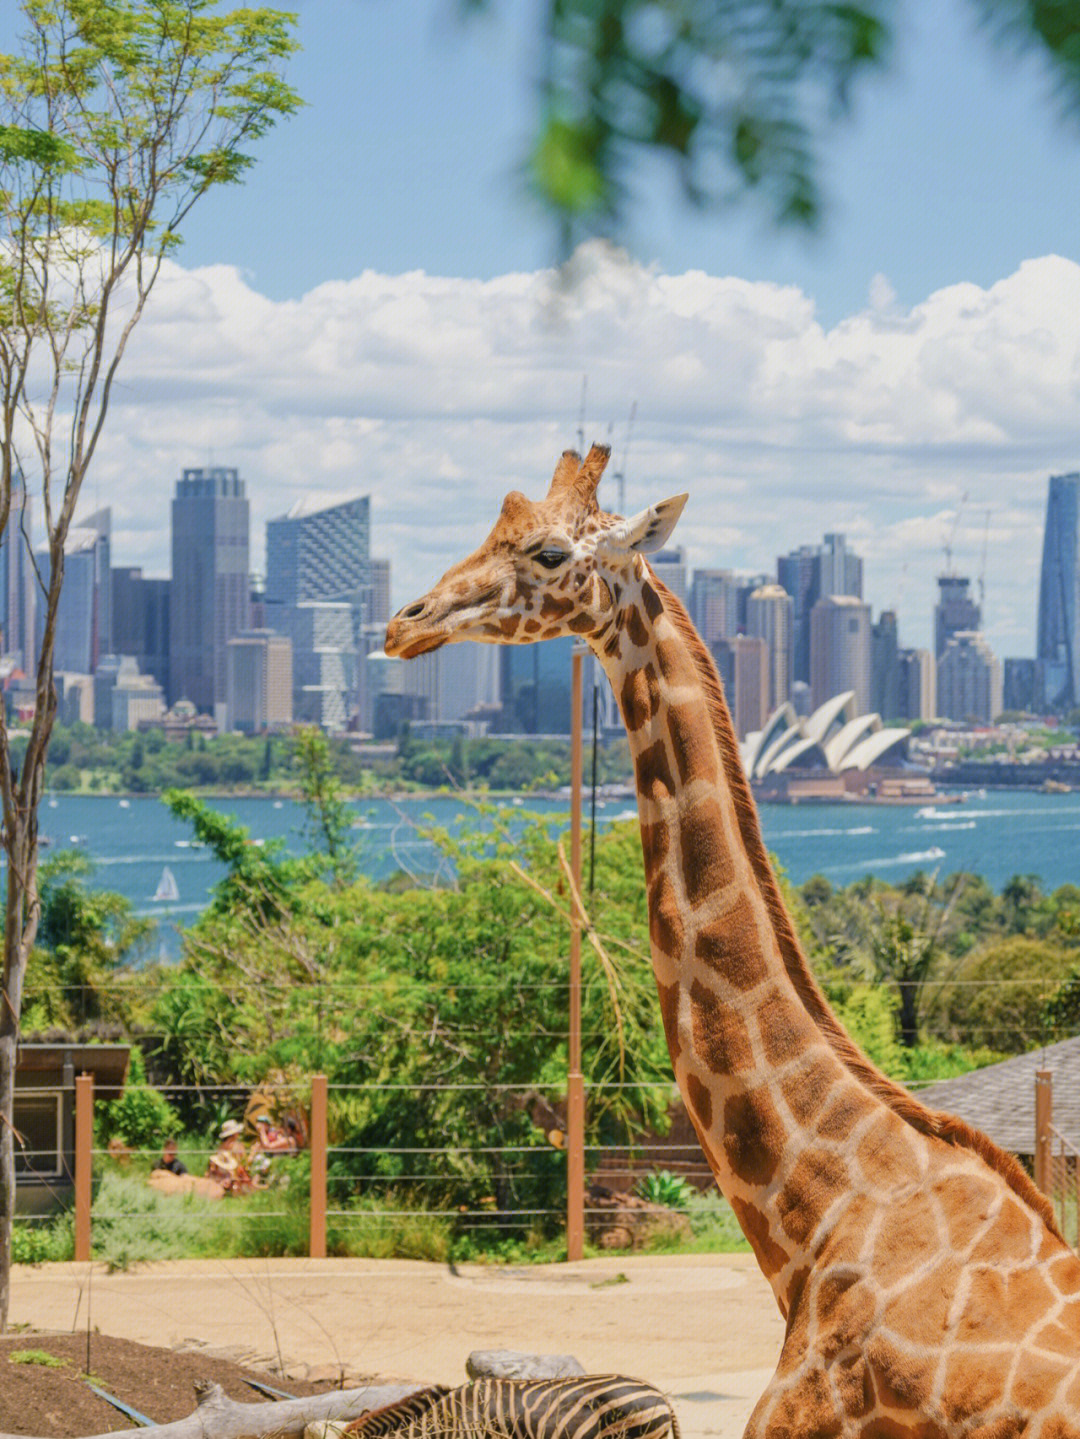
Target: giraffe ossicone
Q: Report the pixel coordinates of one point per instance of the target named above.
(927, 1291)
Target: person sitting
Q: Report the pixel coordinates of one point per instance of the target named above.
(169, 1159)
(270, 1139)
(227, 1163)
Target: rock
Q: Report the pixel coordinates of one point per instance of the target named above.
(509, 1364)
(626, 1221)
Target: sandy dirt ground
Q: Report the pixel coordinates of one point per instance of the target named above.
(704, 1328)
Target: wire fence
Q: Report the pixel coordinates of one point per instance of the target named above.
(332, 1192)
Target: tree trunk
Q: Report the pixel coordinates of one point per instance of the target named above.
(218, 1417)
(21, 847)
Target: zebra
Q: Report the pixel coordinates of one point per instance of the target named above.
(595, 1406)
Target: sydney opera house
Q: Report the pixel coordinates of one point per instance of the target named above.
(832, 752)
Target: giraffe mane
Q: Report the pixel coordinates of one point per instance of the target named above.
(947, 1127)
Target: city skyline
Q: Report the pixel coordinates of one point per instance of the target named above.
(876, 379)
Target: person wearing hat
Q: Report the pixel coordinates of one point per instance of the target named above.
(227, 1163)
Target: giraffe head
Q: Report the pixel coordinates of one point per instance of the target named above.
(555, 566)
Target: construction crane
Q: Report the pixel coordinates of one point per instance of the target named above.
(982, 568)
(950, 539)
(620, 474)
(581, 415)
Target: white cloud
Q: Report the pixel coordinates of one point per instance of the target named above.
(437, 395)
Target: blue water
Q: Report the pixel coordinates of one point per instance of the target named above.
(996, 835)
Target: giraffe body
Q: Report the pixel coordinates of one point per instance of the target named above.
(927, 1292)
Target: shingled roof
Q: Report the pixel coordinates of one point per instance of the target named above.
(1000, 1099)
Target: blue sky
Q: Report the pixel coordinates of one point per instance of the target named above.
(953, 166)
(373, 312)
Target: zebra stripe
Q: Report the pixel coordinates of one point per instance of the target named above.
(596, 1406)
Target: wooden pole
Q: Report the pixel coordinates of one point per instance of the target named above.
(575, 1082)
(317, 1244)
(84, 1163)
(1044, 1108)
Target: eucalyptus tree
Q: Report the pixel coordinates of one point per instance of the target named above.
(116, 118)
(733, 95)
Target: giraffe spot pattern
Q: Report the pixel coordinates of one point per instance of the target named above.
(665, 916)
(653, 773)
(707, 867)
(640, 698)
(721, 1038)
(636, 632)
(699, 1102)
(693, 744)
(669, 1012)
(731, 946)
(753, 1135)
(817, 1177)
(785, 1030)
(771, 1257)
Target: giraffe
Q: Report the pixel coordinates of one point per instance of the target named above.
(926, 1290)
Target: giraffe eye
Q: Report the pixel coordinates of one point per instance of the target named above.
(552, 559)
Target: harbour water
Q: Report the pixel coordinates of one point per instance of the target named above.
(132, 841)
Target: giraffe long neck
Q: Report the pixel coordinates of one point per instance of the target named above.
(753, 1045)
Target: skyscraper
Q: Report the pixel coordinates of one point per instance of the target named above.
(211, 524)
(885, 667)
(768, 617)
(319, 552)
(713, 605)
(84, 614)
(840, 649)
(969, 679)
(1058, 639)
(321, 555)
(809, 574)
(17, 586)
(955, 612)
(669, 566)
(140, 621)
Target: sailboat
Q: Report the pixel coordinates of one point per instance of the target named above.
(167, 891)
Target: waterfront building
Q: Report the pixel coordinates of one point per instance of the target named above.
(969, 679)
(210, 602)
(809, 574)
(743, 663)
(84, 613)
(768, 617)
(140, 621)
(534, 686)
(840, 650)
(258, 681)
(885, 667)
(917, 685)
(1058, 632)
(955, 612)
(669, 566)
(324, 661)
(123, 697)
(18, 587)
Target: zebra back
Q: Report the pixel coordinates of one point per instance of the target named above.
(397, 1416)
(596, 1406)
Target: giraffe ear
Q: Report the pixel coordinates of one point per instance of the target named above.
(644, 533)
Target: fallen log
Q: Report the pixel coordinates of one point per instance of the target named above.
(218, 1417)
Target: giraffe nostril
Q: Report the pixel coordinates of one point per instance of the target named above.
(413, 612)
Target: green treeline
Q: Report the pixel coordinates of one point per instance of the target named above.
(439, 1014)
(86, 760)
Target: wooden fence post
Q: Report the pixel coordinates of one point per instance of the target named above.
(575, 1081)
(1044, 1109)
(317, 1245)
(84, 1162)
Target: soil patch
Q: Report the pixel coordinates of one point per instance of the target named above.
(37, 1397)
